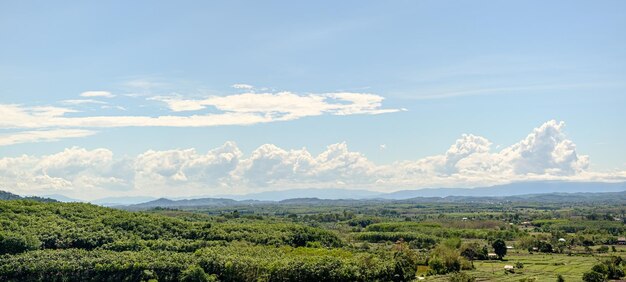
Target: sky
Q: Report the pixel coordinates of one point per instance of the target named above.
(187, 98)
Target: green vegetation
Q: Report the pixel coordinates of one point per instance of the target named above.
(611, 268)
(328, 241)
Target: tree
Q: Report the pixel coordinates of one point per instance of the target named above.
(499, 247)
(593, 276)
(544, 247)
(559, 278)
(608, 269)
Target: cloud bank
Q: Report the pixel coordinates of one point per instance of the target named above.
(545, 154)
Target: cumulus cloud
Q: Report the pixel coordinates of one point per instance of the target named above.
(187, 166)
(101, 94)
(74, 170)
(270, 165)
(546, 150)
(545, 154)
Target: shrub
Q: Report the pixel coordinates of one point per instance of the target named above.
(445, 260)
(11, 243)
(608, 269)
(195, 273)
(593, 276)
(461, 277)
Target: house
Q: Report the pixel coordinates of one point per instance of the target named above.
(562, 240)
(527, 224)
(509, 268)
(509, 247)
(621, 241)
(492, 256)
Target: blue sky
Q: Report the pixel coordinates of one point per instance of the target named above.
(394, 82)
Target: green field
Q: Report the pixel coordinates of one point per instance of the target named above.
(536, 267)
(542, 267)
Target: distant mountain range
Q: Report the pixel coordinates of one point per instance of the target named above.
(61, 198)
(513, 189)
(517, 192)
(509, 191)
(212, 202)
(331, 194)
(122, 201)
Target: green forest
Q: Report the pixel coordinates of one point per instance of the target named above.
(44, 240)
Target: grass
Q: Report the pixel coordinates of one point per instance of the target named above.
(541, 267)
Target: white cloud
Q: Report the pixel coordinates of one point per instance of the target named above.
(102, 94)
(284, 105)
(239, 109)
(272, 166)
(187, 166)
(82, 101)
(42, 136)
(143, 84)
(242, 86)
(50, 123)
(545, 154)
(546, 150)
(17, 116)
(78, 171)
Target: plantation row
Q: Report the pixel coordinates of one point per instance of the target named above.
(26, 225)
(237, 262)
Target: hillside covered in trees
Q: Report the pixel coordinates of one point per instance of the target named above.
(80, 242)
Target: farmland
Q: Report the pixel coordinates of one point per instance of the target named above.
(312, 239)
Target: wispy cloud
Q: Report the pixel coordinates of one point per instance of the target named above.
(82, 102)
(143, 83)
(284, 105)
(101, 94)
(500, 75)
(427, 94)
(242, 86)
(236, 109)
(42, 136)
